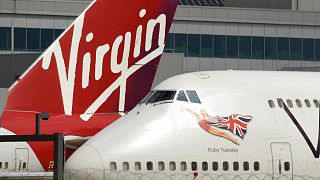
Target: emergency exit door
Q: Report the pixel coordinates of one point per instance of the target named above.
(21, 160)
(281, 160)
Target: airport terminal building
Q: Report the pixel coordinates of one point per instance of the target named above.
(205, 35)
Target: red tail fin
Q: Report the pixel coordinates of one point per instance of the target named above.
(104, 62)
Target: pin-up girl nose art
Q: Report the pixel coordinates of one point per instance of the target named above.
(235, 123)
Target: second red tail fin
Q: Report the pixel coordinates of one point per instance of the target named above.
(104, 62)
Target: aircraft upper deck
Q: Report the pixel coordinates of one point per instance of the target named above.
(224, 81)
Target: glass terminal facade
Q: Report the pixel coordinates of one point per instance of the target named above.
(191, 45)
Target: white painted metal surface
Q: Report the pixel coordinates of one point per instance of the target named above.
(169, 131)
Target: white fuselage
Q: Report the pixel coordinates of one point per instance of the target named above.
(165, 139)
(17, 157)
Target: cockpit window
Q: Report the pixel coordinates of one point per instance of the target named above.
(162, 96)
(146, 97)
(193, 97)
(182, 96)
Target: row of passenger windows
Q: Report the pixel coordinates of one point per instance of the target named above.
(294, 103)
(172, 166)
(28, 39)
(246, 47)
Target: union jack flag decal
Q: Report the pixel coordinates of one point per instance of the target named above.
(235, 123)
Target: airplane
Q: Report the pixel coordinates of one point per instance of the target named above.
(96, 71)
(212, 125)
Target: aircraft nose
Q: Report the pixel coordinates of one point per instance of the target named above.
(85, 163)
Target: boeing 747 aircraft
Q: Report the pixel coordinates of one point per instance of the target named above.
(212, 125)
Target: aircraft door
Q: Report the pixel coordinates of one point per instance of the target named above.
(281, 160)
(21, 160)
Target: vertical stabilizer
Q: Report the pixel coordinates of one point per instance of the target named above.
(104, 62)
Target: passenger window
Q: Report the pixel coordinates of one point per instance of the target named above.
(24, 165)
(0, 165)
(6, 165)
(287, 166)
(183, 166)
(161, 166)
(235, 166)
(193, 97)
(225, 166)
(149, 166)
(256, 166)
(162, 96)
(113, 166)
(308, 104)
(271, 104)
(246, 166)
(182, 96)
(215, 166)
(125, 166)
(204, 166)
(290, 104)
(194, 166)
(172, 166)
(137, 166)
(280, 103)
(146, 97)
(299, 104)
(316, 103)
